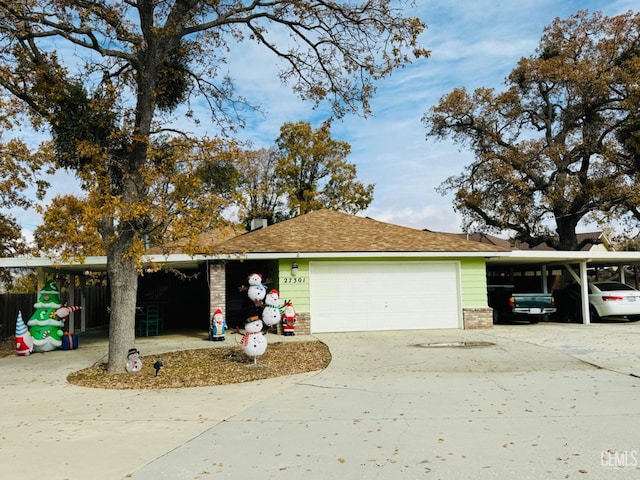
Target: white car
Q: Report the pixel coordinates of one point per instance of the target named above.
(606, 299)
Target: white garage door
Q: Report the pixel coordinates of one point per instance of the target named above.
(368, 296)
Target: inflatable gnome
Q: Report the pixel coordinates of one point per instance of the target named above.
(271, 313)
(44, 325)
(218, 326)
(24, 340)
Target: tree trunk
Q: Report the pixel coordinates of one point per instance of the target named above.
(123, 280)
(566, 228)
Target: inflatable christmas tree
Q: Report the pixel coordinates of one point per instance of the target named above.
(44, 325)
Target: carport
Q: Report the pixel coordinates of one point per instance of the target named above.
(97, 265)
(575, 263)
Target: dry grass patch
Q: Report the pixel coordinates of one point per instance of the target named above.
(210, 366)
(8, 347)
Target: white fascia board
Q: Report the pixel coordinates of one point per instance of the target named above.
(338, 255)
(43, 262)
(184, 259)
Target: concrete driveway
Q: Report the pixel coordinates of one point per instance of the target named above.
(540, 401)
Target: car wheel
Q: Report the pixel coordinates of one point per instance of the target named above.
(593, 314)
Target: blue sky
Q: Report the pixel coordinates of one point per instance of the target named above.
(473, 43)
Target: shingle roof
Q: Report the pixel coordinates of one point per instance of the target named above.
(331, 231)
(511, 245)
(484, 238)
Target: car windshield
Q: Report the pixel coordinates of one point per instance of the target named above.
(612, 286)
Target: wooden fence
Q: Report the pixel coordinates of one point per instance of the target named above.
(10, 305)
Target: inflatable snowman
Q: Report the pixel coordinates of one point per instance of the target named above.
(271, 313)
(253, 342)
(256, 290)
(289, 319)
(218, 326)
(134, 362)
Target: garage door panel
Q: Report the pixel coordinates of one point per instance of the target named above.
(361, 296)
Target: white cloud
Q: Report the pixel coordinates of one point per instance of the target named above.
(431, 217)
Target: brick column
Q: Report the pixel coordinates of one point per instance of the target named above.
(303, 324)
(217, 288)
(477, 317)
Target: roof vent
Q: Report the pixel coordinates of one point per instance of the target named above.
(257, 223)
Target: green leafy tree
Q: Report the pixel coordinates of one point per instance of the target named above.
(313, 173)
(68, 230)
(19, 169)
(134, 63)
(550, 148)
(24, 281)
(12, 244)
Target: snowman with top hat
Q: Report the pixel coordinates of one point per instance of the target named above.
(253, 342)
(134, 362)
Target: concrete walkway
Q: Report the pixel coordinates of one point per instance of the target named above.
(541, 401)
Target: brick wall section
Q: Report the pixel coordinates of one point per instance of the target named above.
(478, 317)
(303, 325)
(217, 290)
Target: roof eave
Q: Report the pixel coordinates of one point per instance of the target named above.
(377, 254)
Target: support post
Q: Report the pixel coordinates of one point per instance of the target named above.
(584, 293)
(72, 299)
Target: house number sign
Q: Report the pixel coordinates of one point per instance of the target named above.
(294, 280)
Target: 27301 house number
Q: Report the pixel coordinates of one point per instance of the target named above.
(294, 280)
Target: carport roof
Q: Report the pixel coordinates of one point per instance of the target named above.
(557, 257)
(330, 231)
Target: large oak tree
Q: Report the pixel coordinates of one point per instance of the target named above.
(559, 144)
(106, 77)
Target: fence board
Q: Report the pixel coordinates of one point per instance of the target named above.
(10, 305)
